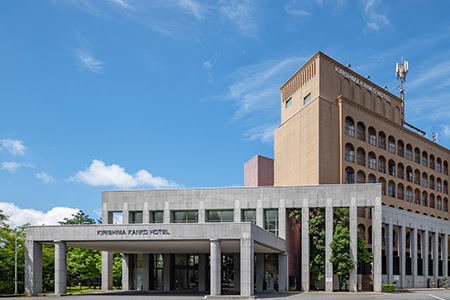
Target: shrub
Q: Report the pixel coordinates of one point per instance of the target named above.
(7, 287)
(388, 288)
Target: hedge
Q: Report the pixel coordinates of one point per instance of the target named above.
(7, 287)
(388, 288)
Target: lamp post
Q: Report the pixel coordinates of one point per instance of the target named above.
(15, 261)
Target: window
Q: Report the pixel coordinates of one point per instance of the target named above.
(400, 171)
(432, 161)
(361, 157)
(439, 165)
(445, 187)
(372, 161)
(271, 220)
(400, 191)
(391, 189)
(349, 176)
(185, 216)
(349, 126)
(382, 141)
(288, 102)
(445, 204)
(439, 203)
(361, 177)
(391, 144)
(372, 179)
(391, 168)
(400, 148)
(409, 152)
(372, 136)
(349, 153)
(381, 164)
(439, 185)
(249, 215)
(219, 216)
(424, 180)
(383, 185)
(431, 200)
(361, 131)
(307, 99)
(409, 194)
(157, 216)
(409, 174)
(135, 217)
(424, 199)
(417, 177)
(417, 197)
(417, 155)
(424, 159)
(432, 182)
(445, 168)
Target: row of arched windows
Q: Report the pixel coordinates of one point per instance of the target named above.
(398, 190)
(393, 169)
(395, 147)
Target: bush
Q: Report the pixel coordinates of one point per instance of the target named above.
(7, 287)
(388, 288)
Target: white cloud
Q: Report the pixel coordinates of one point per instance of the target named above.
(15, 147)
(376, 20)
(193, 7)
(12, 166)
(99, 174)
(240, 13)
(122, 3)
(445, 130)
(296, 12)
(19, 216)
(207, 65)
(88, 62)
(436, 72)
(262, 133)
(45, 177)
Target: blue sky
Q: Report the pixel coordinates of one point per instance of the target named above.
(112, 94)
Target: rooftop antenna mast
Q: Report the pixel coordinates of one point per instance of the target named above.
(400, 71)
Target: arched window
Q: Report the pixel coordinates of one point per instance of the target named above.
(383, 185)
(432, 182)
(361, 177)
(400, 148)
(381, 164)
(424, 199)
(408, 240)
(349, 153)
(400, 171)
(417, 155)
(382, 140)
(372, 136)
(409, 152)
(391, 144)
(391, 189)
(349, 176)
(372, 161)
(349, 126)
(372, 178)
(361, 131)
(439, 203)
(432, 200)
(445, 167)
(445, 187)
(425, 159)
(417, 177)
(432, 161)
(439, 165)
(409, 174)
(391, 167)
(409, 194)
(439, 185)
(362, 231)
(445, 204)
(369, 235)
(416, 196)
(400, 192)
(361, 157)
(425, 179)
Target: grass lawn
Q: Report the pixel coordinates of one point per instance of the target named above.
(84, 289)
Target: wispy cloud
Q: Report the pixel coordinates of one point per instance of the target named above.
(262, 133)
(438, 71)
(88, 62)
(122, 3)
(192, 7)
(99, 174)
(375, 20)
(15, 147)
(45, 177)
(241, 14)
(296, 12)
(445, 129)
(12, 166)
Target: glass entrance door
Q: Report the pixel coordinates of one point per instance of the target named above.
(186, 272)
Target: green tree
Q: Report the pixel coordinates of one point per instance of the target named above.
(340, 257)
(77, 219)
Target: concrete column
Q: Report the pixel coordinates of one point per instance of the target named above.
(283, 282)
(376, 245)
(237, 272)
(107, 270)
(145, 214)
(247, 265)
(167, 262)
(237, 212)
(353, 280)
(166, 218)
(282, 220)
(402, 254)
(328, 239)
(259, 272)
(436, 257)
(414, 247)
(202, 271)
(125, 214)
(201, 212)
(146, 272)
(60, 268)
(259, 214)
(107, 216)
(126, 264)
(390, 250)
(425, 251)
(445, 254)
(33, 267)
(216, 264)
(305, 246)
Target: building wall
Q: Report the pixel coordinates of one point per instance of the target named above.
(258, 171)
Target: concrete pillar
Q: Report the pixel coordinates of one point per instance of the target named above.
(167, 262)
(260, 272)
(305, 246)
(125, 214)
(216, 264)
(237, 272)
(390, 250)
(202, 271)
(145, 214)
(376, 245)
(425, 251)
(201, 212)
(107, 270)
(166, 218)
(60, 268)
(436, 257)
(328, 239)
(259, 214)
(353, 279)
(126, 264)
(107, 216)
(247, 265)
(282, 220)
(237, 211)
(33, 267)
(146, 272)
(402, 254)
(414, 247)
(445, 254)
(283, 282)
